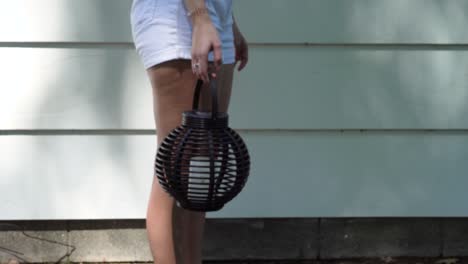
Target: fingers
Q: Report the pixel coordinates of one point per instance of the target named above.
(204, 69)
(212, 70)
(200, 66)
(243, 57)
(217, 54)
(205, 39)
(243, 61)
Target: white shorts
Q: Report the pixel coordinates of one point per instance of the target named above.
(162, 31)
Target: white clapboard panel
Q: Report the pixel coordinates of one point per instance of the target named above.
(281, 88)
(65, 21)
(272, 21)
(354, 21)
(294, 174)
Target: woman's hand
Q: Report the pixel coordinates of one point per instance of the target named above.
(204, 39)
(242, 49)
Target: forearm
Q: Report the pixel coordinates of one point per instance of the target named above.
(234, 24)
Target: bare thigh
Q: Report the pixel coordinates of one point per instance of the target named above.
(173, 85)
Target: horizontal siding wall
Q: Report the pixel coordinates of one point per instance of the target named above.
(364, 100)
(306, 174)
(315, 88)
(313, 21)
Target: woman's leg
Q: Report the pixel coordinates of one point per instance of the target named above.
(195, 225)
(175, 234)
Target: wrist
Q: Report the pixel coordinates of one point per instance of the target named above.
(199, 16)
(201, 20)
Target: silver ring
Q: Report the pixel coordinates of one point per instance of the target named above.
(196, 65)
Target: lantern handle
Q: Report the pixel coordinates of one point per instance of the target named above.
(214, 97)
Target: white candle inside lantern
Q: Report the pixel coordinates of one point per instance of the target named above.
(199, 175)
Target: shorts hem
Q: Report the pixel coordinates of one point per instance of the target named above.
(167, 55)
(181, 53)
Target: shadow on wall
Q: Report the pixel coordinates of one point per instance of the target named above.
(87, 87)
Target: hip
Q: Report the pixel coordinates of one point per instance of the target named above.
(172, 13)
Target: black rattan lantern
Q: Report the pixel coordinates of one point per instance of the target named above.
(203, 163)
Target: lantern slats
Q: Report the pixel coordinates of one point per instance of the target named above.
(202, 163)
